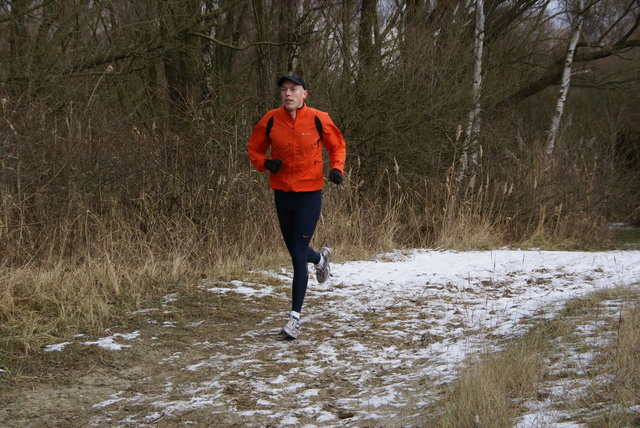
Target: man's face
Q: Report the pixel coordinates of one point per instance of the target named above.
(293, 95)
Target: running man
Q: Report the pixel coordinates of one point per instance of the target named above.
(295, 133)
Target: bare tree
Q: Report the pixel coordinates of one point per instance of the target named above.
(288, 35)
(470, 148)
(368, 32)
(617, 27)
(565, 83)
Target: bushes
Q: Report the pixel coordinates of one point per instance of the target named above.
(124, 146)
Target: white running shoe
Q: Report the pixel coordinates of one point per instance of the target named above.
(292, 328)
(323, 270)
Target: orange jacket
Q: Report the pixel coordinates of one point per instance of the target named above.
(296, 143)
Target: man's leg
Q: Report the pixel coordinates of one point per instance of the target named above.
(298, 215)
(305, 219)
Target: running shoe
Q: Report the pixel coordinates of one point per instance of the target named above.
(323, 270)
(291, 329)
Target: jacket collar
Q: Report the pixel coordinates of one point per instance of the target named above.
(304, 107)
(300, 111)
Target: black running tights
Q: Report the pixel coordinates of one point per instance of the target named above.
(298, 214)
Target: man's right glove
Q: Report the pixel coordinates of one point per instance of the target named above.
(335, 176)
(273, 165)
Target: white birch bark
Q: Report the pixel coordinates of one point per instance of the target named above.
(565, 85)
(469, 158)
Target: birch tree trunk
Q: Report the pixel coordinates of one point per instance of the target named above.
(470, 147)
(565, 85)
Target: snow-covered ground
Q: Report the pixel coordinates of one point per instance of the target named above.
(378, 341)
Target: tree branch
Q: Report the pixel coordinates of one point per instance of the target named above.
(554, 73)
(239, 48)
(26, 12)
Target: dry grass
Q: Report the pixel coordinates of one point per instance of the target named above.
(484, 394)
(621, 360)
(89, 267)
(492, 388)
(92, 236)
(46, 302)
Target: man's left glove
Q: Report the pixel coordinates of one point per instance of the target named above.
(273, 165)
(335, 176)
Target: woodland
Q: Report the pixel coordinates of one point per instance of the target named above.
(470, 124)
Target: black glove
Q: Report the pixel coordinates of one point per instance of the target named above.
(273, 165)
(335, 176)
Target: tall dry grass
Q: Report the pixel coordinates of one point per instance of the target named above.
(96, 223)
(487, 387)
(621, 363)
(491, 388)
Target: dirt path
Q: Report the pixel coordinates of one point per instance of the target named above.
(184, 364)
(371, 353)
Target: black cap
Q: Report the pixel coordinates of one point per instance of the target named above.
(295, 79)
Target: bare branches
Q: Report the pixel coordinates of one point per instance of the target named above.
(35, 7)
(241, 48)
(586, 51)
(554, 72)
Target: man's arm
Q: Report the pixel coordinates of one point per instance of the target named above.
(334, 142)
(258, 145)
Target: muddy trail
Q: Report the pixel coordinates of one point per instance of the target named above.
(372, 353)
(217, 360)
